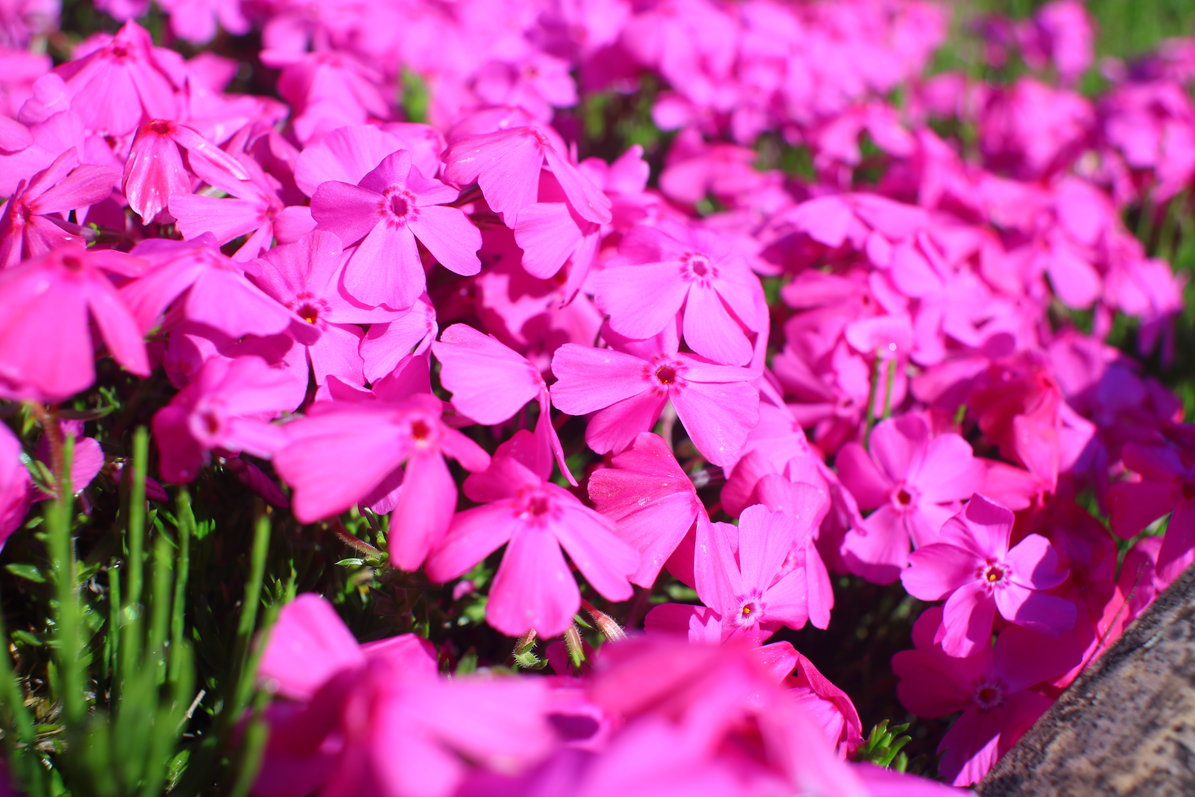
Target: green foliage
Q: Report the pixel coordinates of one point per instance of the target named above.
(884, 746)
(105, 696)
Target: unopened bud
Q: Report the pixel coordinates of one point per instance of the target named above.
(607, 625)
(576, 648)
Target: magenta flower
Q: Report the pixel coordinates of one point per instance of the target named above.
(117, 86)
(747, 587)
(304, 277)
(490, 383)
(159, 165)
(228, 406)
(506, 164)
(217, 292)
(35, 217)
(46, 345)
(996, 689)
(914, 481)
(394, 206)
(718, 404)
(378, 718)
(14, 485)
(1167, 486)
(533, 588)
(977, 573)
(651, 500)
(344, 453)
(668, 271)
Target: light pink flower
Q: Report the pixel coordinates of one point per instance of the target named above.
(392, 207)
(717, 404)
(973, 567)
(344, 453)
(914, 481)
(46, 346)
(663, 272)
(533, 589)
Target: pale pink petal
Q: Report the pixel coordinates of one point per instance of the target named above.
(451, 238)
(534, 588)
(711, 332)
(937, 570)
(590, 379)
(718, 417)
(967, 620)
(475, 534)
(641, 300)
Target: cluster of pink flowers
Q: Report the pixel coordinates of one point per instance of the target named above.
(367, 308)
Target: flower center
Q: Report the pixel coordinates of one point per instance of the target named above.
(666, 374)
(750, 612)
(988, 695)
(308, 313)
(696, 266)
(904, 497)
(993, 574)
(399, 206)
(421, 432)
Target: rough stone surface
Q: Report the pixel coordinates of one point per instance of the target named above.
(1126, 726)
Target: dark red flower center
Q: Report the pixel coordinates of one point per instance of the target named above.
(666, 374)
(309, 313)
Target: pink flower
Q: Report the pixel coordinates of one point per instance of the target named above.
(506, 164)
(650, 499)
(343, 453)
(976, 571)
(747, 587)
(14, 485)
(124, 82)
(304, 277)
(378, 719)
(228, 406)
(668, 271)
(533, 588)
(217, 292)
(27, 228)
(717, 404)
(914, 481)
(158, 165)
(490, 383)
(394, 206)
(997, 691)
(1167, 486)
(46, 348)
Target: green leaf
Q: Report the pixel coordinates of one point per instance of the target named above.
(29, 572)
